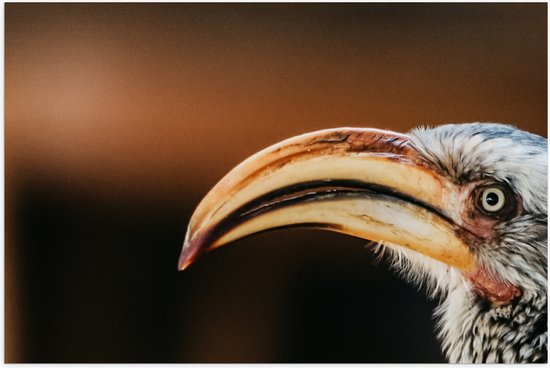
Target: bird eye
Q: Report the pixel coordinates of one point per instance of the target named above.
(496, 200)
(492, 199)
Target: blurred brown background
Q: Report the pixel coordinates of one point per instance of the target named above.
(119, 118)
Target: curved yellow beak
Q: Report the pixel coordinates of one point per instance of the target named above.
(367, 183)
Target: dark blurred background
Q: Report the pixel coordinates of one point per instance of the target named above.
(119, 118)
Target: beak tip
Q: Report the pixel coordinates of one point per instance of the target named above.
(186, 257)
(191, 250)
(182, 266)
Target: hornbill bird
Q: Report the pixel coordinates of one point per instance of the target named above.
(465, 205)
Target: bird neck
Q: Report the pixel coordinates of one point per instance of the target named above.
(474, 330)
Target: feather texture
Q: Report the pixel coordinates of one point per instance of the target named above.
(472, 329)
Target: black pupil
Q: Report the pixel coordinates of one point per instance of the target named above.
(492, 199)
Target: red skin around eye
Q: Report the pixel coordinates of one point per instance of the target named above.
(481, 233)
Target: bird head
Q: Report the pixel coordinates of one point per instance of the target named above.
(461, 208)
